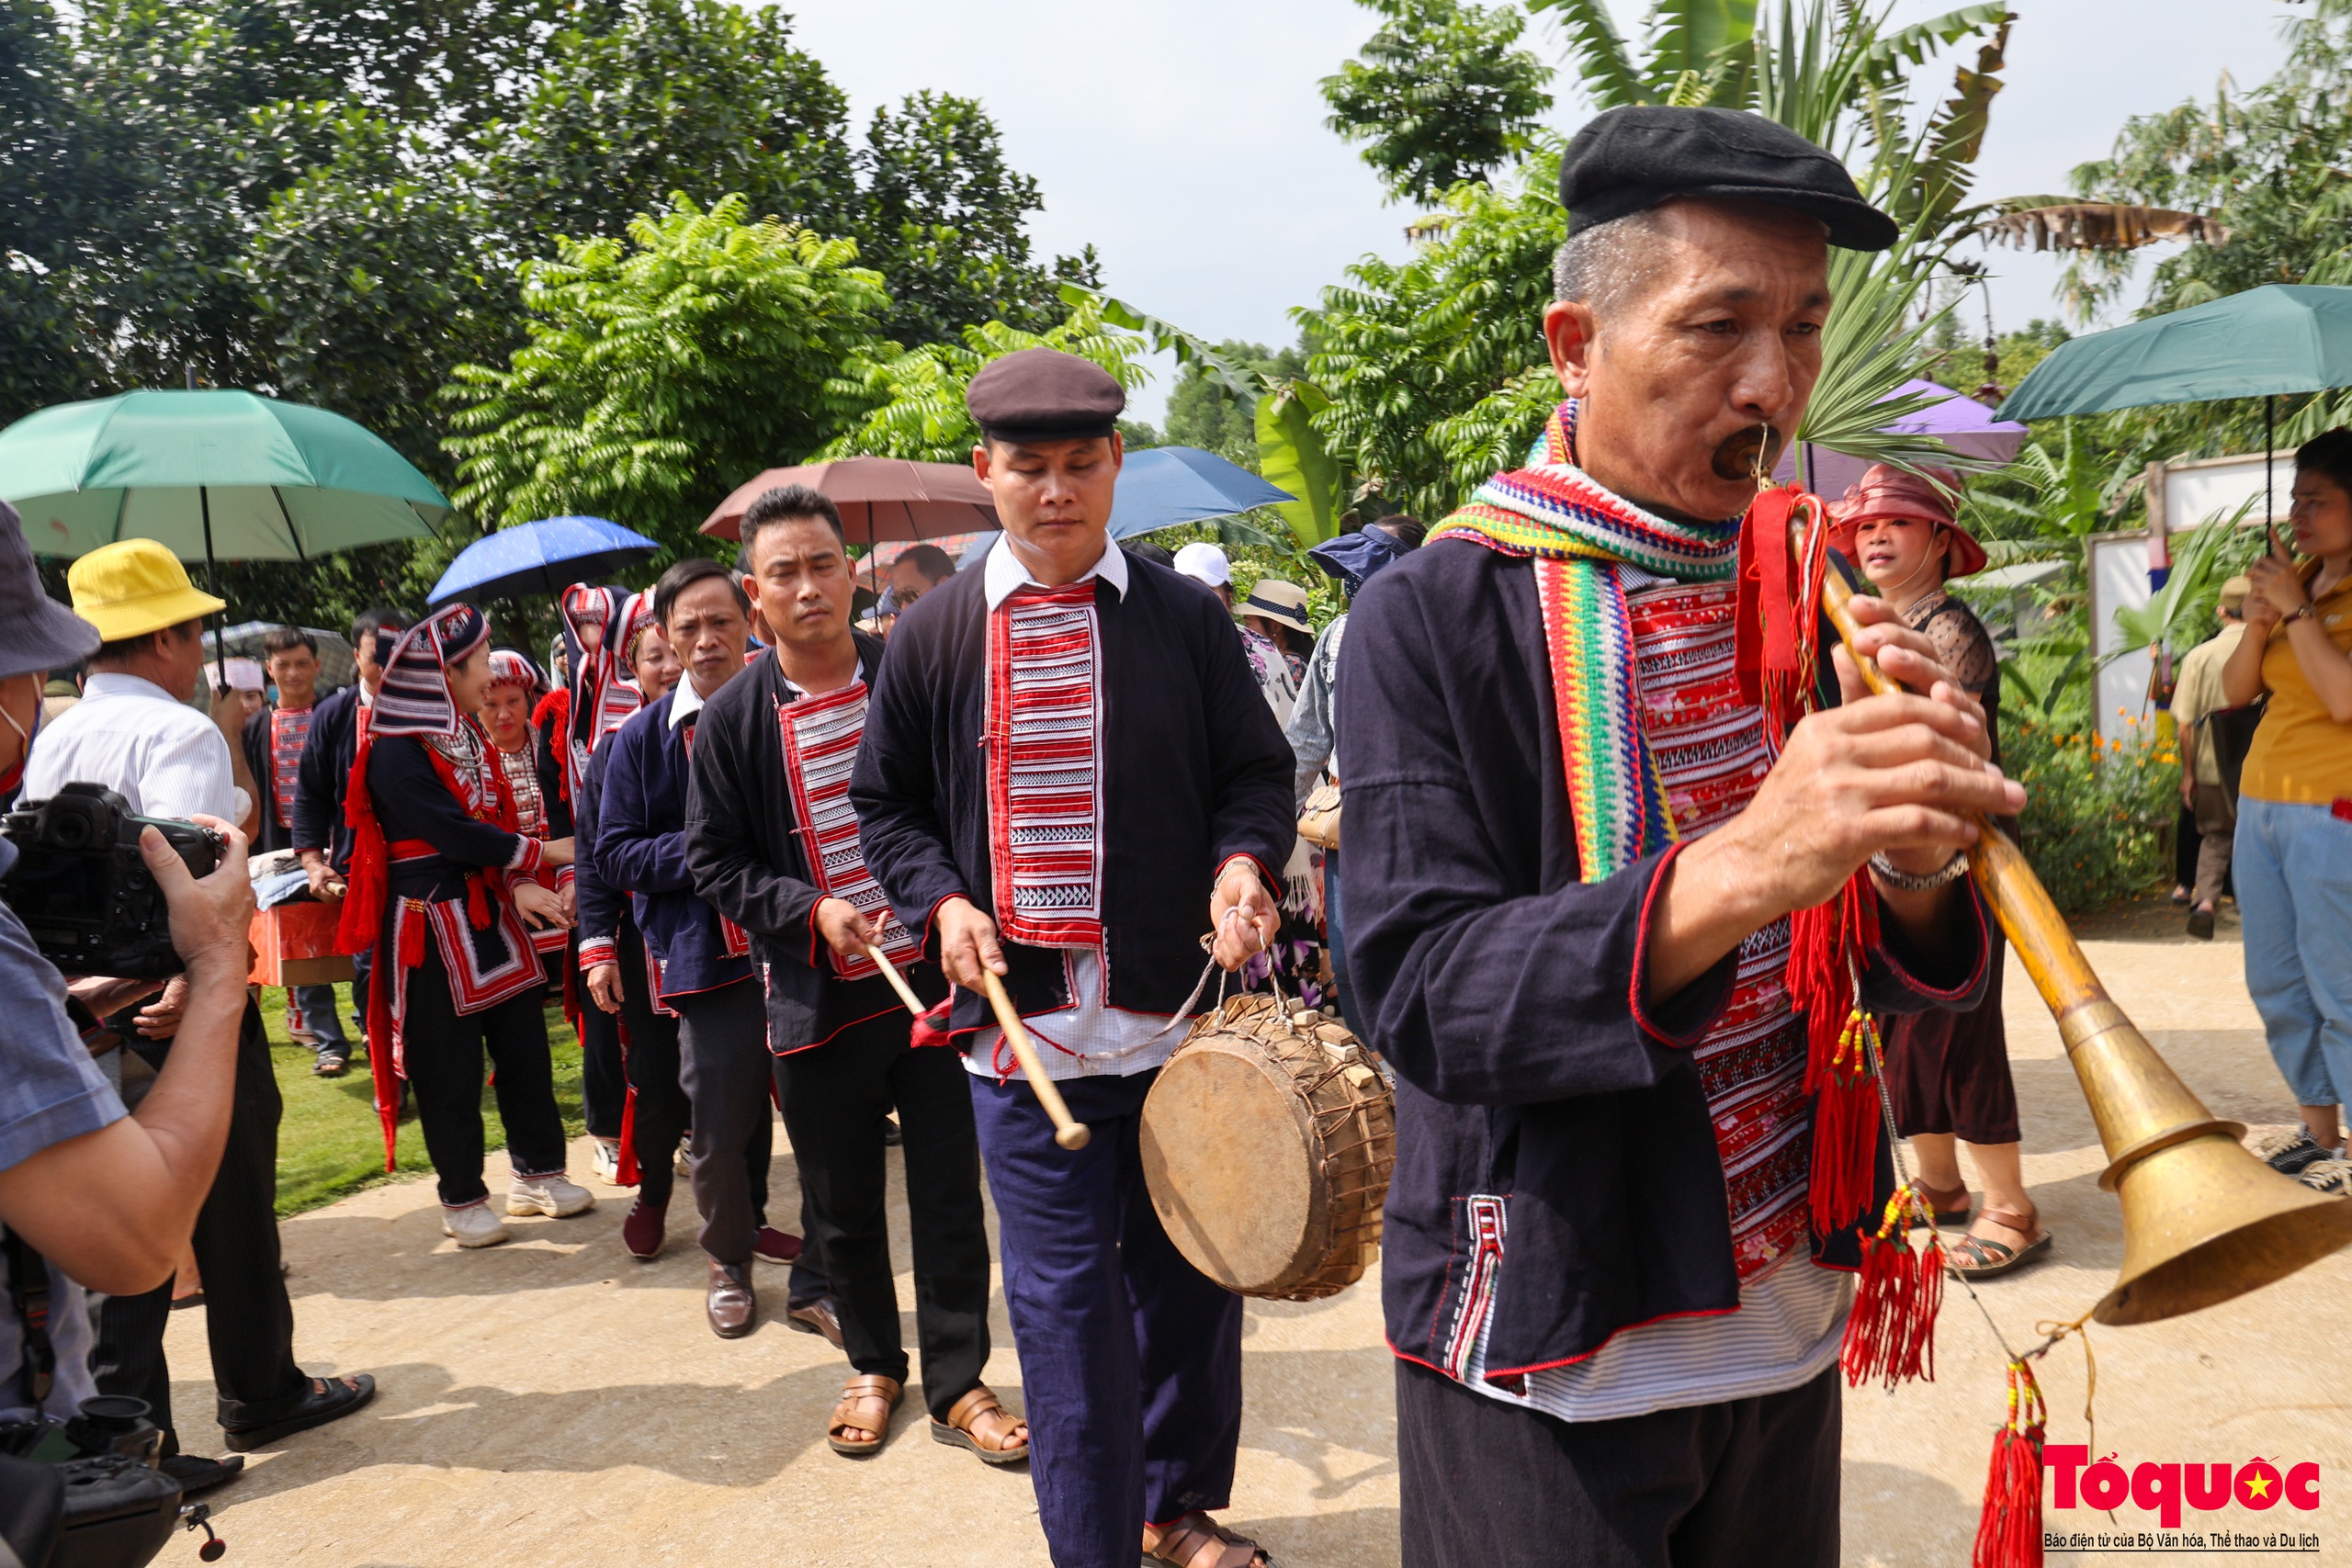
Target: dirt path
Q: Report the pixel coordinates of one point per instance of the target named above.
(552, 1402)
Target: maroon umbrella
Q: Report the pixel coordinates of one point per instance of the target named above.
(880, 498)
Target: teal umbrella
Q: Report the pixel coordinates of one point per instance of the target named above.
(211, 476)
(2268, 342)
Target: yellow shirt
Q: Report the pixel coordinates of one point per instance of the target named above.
(2301, 756)
(2197, 693)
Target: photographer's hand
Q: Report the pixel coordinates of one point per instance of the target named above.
(115, 1207)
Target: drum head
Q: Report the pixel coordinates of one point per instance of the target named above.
(1227, 1156)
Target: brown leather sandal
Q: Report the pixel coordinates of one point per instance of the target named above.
(1981, 1258)
(1184, 1542)
(858, 1395)
(980, 1423)
(1951, 1204)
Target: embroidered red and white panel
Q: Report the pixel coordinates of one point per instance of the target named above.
(289, 728)
(821, 736)
(1711, 755)
(1045, 732)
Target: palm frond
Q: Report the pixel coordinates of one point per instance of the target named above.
(1603, 60)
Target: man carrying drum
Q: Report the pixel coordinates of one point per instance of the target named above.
(1066, 765)
(1571, 864)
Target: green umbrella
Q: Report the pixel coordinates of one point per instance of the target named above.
(2268, 342)
(211, 476)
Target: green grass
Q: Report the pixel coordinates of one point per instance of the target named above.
(331, 1143)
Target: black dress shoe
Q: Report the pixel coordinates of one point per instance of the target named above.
(732, 1306)
(196, 1474)
(891, 1137)
(2201, 924)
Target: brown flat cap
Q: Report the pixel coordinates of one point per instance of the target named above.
(1043, 394)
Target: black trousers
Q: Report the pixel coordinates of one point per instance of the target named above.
(362, 965)
(835, 1098)
(652, 1058)
(604, 1078)
(725, 1066)
(1747, 1484)
(248, 1320)
(442, 1059)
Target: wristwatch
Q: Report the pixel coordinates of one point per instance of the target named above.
(2302, 612)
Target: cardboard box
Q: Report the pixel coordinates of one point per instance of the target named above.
(294, 946)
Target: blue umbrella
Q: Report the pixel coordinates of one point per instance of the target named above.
(1162, 487)
(545, 557)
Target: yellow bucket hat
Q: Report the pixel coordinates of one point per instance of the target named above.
(135, 586)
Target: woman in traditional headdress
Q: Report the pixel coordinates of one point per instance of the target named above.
(1949, 1071)
(442, 884)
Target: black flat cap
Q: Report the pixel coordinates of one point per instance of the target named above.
(1043, 394)
(1630, 160)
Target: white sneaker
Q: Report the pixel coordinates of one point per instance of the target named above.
(683, 1162)
(473, 1224)
(549, 1195)
(605, 1163)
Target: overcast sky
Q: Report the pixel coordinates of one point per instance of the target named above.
(1184, 138)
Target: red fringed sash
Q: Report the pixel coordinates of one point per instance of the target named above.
(1779, 626)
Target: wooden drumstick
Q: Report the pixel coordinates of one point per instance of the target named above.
(1070, 1132)
(898, 981)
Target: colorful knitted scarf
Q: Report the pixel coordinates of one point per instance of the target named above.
(1582, 537)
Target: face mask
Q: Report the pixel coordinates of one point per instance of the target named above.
(13, 779)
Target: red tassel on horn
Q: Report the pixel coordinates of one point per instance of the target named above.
(2009, 1534)
(1890, 1335)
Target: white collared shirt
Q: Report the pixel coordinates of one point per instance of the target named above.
(1002, 573)
(1090, 1038)
(164, 757)
(685, 701)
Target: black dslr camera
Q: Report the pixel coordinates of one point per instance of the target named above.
(117, 1509)
(83, 890)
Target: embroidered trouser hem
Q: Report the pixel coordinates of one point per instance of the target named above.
(443, 1054)
(1130, 1357)
(1746, 1484)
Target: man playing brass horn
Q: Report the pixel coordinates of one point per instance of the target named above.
(1573, 854)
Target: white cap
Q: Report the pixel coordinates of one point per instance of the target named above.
(246, 675)
(1205, 563)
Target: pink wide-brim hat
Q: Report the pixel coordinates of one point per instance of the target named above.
(1883, 492)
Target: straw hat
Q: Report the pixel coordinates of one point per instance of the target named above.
(135, 586)
(1284, 603)
(2234, 594)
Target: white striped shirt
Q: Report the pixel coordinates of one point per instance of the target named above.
(1787, 1330)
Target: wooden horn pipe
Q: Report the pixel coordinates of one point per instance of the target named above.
(2203, 1219)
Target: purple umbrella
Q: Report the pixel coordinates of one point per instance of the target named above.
(1966, 426)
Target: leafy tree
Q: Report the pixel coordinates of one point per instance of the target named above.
(1443, 94)
(370, 288)
(1204, 411)
(692, 96)
(943, 222)
(662, 369)
(913, 399)
(2267, 164)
